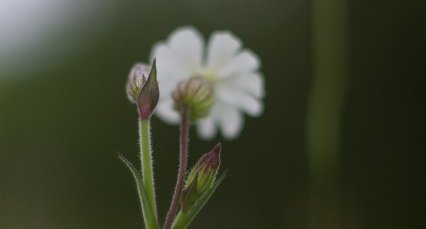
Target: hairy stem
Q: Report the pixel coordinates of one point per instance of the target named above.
(183, 161)
(146, 162)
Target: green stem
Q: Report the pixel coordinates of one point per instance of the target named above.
(146, 162)
(324, 110)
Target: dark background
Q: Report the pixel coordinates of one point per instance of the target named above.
(62, 124)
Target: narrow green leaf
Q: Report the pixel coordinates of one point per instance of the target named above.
(183, 220)
(147, 211)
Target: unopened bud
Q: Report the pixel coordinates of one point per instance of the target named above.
(189, 195)
(201, 177)
(149, 94)
(196, 94)
(136, 80)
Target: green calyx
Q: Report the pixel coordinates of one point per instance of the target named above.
(196, 94)
(201, 177)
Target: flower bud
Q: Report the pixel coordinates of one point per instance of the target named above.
(136, 80)
(201, 177)
(196, 94)
(149, 95)
(189, 195)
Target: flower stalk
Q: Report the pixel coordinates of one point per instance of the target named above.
(183, 163)
(142, 89)
(147, 101)
(146, 162)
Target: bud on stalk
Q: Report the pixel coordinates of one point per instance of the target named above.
(201, 177)
(143, 90)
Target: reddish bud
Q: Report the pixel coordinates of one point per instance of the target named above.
(149, 94)
(201, 177)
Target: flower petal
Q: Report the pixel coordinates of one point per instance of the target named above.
(206, 128)
(245, 62)
(166, 112)
(188, 43)
(167, 86)
(230, 121)
(251, 83)
(169, 63)
(239, 99)
(222, 47)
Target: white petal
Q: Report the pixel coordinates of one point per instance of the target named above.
(251, 83)
(170, 69)
(188, 43)
(239, 99)
(169, 63)
(167, 87)
(206, 128)
(166, 112)
(230, 121)
(245, 62)
(222, 47)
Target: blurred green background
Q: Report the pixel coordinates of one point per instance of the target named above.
(64, 114)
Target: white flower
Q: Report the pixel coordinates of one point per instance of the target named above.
(238, 86)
